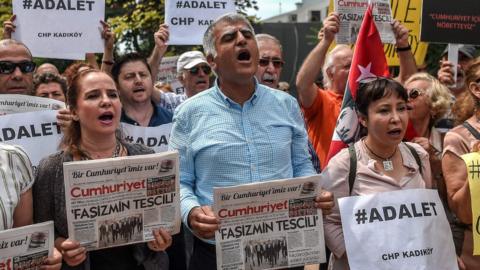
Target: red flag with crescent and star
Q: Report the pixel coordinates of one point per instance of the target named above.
(368, 62)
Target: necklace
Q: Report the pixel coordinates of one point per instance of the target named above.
(116, 152)
(387, 162)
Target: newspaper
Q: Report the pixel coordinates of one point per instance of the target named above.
(269, 225)
(26, 247)
(118, 201)
(10, 103)
(351, 14)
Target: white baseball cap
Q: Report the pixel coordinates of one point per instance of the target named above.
(190, 59)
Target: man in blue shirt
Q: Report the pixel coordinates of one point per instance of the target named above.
(236, 132)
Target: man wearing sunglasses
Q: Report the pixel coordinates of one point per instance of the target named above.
(16, 68)
(193, 72)
(271, 61)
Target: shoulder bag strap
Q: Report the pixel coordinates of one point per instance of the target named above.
(472, 130)
(353, 166)
(416, 156)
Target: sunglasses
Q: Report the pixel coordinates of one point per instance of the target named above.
(9, 67)
(277, 63)
(195, 70)
(415, 93)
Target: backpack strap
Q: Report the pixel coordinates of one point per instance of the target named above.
(416, 156)
(472, 130)
(353, 166)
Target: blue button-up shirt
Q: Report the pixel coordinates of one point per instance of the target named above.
(222, 143)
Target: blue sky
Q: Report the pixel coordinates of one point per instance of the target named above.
(269, 8)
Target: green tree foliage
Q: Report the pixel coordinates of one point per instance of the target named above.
(5, 12)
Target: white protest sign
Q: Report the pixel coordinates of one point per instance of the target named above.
(37, 132)
(398, 230)
(154, 137)
(64, 29)
(10, 103)
(188, 19)
(167, 73)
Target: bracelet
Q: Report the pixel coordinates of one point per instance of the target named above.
(106, 62)
(404, 49)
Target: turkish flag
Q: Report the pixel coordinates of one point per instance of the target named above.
(368, 62)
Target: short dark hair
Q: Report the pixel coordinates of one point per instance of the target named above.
(127, 58)
(376, 89)
(48, 77)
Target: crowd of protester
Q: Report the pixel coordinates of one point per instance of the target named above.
(236, 123)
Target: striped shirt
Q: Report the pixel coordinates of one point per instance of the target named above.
(223, 144)
(16, 177)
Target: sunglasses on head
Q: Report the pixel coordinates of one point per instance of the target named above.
(195, 70)
(7, 67)
(415, 93)
(277, 63)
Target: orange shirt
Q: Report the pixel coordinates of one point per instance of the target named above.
(321, 119)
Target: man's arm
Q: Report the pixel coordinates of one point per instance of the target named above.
(312, 66)
(408, 67)
(301, 163)
(161, 39)
(9, 27)
(109, 42)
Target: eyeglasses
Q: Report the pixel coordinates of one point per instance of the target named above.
(415, 93)
(7, 67)
(195, 70)
(277, 63)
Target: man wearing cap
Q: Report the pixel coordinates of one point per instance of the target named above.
(466, 55)
(193, 72)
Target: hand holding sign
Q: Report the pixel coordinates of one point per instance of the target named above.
(188, 19)
(161, 37)
(401, 34)
(67, 29)
(9, 27)
(330, 27)
(107, 36)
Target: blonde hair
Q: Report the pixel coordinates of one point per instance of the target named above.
(438, 94)
(467, 103)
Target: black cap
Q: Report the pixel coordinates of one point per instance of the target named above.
(467, 50)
